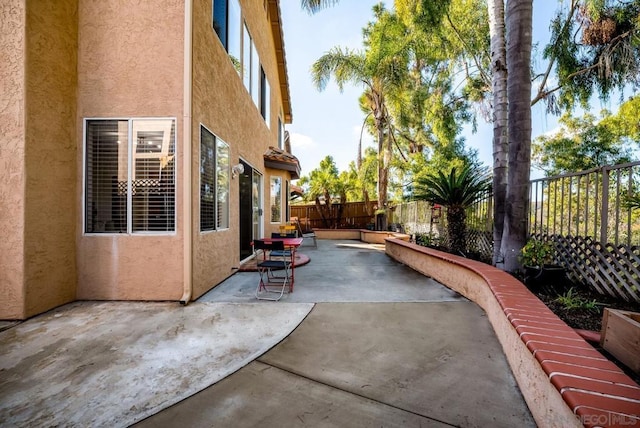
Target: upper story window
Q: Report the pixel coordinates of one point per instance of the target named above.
(227, 23)
(255, 75)
(129, 176)
(265, 97)
(247, 46)
(235, 37)
(214, 182)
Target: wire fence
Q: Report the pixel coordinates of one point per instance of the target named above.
(592, 217)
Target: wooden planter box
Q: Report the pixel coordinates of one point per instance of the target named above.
(621, 336)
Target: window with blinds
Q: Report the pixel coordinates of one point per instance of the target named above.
(207, 180)
(214, 182)
(130, 176)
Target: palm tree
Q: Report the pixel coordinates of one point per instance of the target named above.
(500, 113)
(379, 75)
(457, 192)
(519, 29)
(325, 184)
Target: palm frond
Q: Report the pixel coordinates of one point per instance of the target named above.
(345, 66)
(461, 188)
(313, 6)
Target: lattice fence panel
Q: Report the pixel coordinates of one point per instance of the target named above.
(481, 242)
(609, 269)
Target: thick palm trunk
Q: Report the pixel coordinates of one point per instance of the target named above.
(384, 158)
(457, 228)
(519, 28)
(500, 114)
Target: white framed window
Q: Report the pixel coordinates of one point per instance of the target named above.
(276, 199)
(214, 182)
(129, 175)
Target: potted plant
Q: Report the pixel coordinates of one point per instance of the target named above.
(540, 270)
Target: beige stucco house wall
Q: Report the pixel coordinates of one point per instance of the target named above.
(130, 65)
(38, 214)
(84, 60)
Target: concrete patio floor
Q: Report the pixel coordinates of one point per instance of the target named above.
(385, 347)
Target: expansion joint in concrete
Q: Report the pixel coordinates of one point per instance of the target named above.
(353, 393)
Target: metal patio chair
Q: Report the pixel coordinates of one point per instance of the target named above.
(306, 235)
(269, 283)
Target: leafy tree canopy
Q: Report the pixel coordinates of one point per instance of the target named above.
(625, 124)
(594, 47)
(323, 181)
(582, 143)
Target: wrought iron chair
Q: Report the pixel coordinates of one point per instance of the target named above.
(270, 283)
(306, 235)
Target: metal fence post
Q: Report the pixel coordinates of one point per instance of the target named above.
(604, 213)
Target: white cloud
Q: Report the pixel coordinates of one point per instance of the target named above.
(300, 141)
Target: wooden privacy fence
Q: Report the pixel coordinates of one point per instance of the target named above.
(354, 215)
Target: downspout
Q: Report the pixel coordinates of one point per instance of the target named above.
(187, 212)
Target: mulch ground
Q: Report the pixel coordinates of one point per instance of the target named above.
(584, 318)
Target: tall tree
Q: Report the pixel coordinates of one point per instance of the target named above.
(379, 70)
(594, 47)
(519, 25)
(625, 124)
(326, 185)
(431, 105)
(500, 122)
(582, 143)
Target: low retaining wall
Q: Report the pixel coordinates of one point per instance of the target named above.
(379, 237)
(364, 235)
(564, 380)
(337, 233)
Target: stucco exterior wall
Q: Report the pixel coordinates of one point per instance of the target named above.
(12, 150)
(130, 64)
(223, 105)
(72, 60)
(50, 156)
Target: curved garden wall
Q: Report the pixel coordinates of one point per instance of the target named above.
(564, 380)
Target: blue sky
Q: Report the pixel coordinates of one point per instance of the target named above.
(329, 122)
